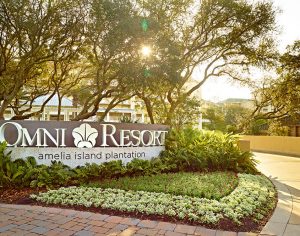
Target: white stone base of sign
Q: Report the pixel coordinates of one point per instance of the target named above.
(73, 156)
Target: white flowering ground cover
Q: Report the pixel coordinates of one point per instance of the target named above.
(254, 196)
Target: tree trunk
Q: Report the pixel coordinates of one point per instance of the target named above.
(59, 105)
(149, 109)
(170, 113)
(3, 107)
(84, 114)
(24, 117)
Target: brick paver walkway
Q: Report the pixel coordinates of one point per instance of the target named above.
(37, 220)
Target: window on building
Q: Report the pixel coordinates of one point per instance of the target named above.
(54, 117)
(72, 115)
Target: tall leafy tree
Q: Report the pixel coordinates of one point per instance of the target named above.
(42, 43)
(33, 35)
(282, 92)
(222, 38)
(111, 47)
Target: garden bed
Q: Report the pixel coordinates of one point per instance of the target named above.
(15, 195)
(245, 209)
(178, 186)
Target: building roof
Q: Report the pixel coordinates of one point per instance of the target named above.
(53, 101)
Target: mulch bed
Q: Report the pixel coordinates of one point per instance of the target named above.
(15, 196)
(21, 196)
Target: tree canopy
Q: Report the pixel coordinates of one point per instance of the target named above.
(281, 92)
(90, 50)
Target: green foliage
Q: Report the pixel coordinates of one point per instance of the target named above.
(89, 171)
(228, 118)
(112, 169)
(27, 171)
(213, 185)
(254, 196)
(24, 173)
(138, 167)
(5, 165)
(216, 118)
(195, 150)
(18, 172)
(187, 112)
(256, 126)
(276, 128)
(282, 90)
(186, 150)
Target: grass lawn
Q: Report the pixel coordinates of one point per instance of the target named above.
(214, 185)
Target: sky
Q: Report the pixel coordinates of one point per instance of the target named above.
(289, 24)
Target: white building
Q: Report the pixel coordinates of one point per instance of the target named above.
(131, 109)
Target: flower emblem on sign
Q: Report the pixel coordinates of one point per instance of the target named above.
(85, 136)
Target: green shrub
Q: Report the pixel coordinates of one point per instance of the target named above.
(83, 173)
(138, 167)
(8, 169)
(276, 128)
(195, 150)
(27, 172)
(16, 173)
(112, 169)
(186, 150)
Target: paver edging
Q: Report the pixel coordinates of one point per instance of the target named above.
(278, 222)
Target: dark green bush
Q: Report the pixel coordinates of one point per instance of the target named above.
(195, 150)
(25, 173)
(89, 171)
(138, 167)
(9, 171)
(112, 169)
